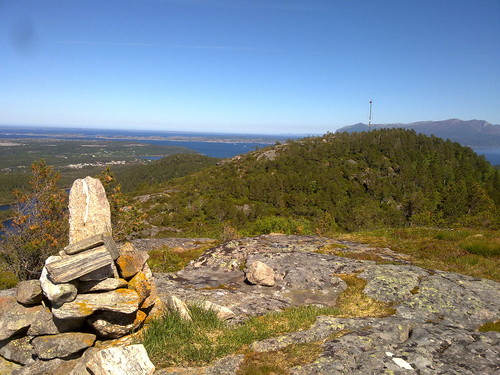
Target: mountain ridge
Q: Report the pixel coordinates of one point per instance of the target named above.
(466, 132)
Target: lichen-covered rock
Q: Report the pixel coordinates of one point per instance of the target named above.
(120, 300)
(17, 350)
(14, 317)
(374, 344)
(259, 273)
(392, 283)
(62, 345)
(29, 292)
(112, 325)
(47, 324)
(130, 262)
(89, 211)
(151, 298)
(142, 285)
(453, 299)
(56, 293)
(101, 285)
(130, 360)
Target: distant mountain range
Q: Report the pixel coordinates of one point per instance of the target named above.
(469, 133)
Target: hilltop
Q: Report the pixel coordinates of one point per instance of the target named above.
(470, 133)
(388, 177)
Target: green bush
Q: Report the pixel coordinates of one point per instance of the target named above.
(8, 280)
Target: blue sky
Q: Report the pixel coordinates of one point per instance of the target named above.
(259, 66)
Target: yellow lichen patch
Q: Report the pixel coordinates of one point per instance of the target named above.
(354, 303)
(142, 285)
(84, 309)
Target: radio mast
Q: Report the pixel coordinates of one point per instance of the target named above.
(370, 117)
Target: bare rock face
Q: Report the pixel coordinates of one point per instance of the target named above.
(29, 292)
(222, 312)
(89, 212)
(259, 273)
(15, 318)
(62, 345)
(128, 360)
(121, 301)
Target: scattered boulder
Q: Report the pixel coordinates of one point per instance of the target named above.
(222, 312)
(29, 292)
(259, 273)
(175, 304)
(128, 360)
(62, 345)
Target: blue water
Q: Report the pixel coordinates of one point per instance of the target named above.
(492, 154)
(213, 149)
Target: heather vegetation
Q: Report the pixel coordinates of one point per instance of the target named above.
(338, 182)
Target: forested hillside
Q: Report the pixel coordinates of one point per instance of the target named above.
(389, 177)
(143, 177)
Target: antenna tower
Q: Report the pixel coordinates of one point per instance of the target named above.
(370, 117)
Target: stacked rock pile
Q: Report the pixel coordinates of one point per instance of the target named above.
(91, 291)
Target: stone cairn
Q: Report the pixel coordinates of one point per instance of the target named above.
(91, 294)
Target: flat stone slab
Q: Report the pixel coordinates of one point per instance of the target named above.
(62, 345)
(124, 301)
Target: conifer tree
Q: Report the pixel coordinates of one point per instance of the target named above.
(40, 224)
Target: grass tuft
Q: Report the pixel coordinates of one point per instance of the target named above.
(354, 303)
(174, 341)
(490, 326)
(167, 259)
(279, 362)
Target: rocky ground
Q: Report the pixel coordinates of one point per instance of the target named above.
(434, 329)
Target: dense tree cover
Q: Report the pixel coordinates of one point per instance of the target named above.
(142, 177)
(337, 182)
(40, 225)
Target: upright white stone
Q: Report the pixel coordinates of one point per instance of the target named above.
(89, 212)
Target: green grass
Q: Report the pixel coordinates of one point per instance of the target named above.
(466, 251)
(167, 259)
(173, 341)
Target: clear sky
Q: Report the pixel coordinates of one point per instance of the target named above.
(247, 66)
